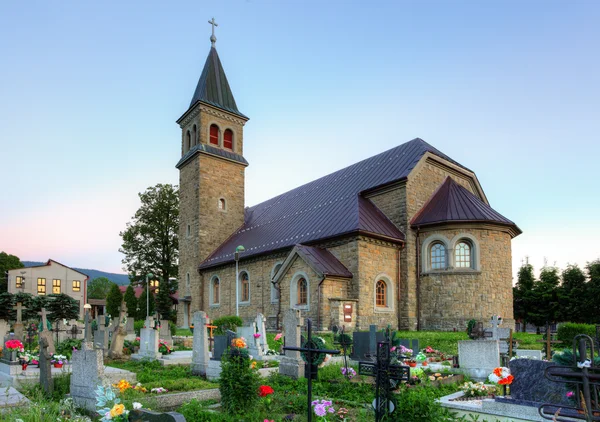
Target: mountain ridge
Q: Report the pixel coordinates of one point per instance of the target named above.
(119, 279)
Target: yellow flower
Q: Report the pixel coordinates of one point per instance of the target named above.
(117, 410)
(253, 365)
(122, 385)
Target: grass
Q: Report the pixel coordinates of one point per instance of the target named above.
(183, 332)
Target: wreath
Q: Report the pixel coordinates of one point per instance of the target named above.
(314, 343)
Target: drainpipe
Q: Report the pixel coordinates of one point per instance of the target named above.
(418, 267)
(319, 302)
(398, 298)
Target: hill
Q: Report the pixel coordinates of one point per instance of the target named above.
(120, 279)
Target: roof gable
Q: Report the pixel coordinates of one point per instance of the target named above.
(323, 262)
(49, 263)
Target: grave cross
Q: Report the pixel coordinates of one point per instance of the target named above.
(586, 377)
(19, 309)
(549, 342)
(311, 355)
(383, 373)
(345, 342)
(44, 322)
(88, 329)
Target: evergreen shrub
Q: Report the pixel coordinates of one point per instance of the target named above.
(238, 384)
(567, 332)
(230, 322)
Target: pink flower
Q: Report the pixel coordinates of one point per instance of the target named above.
(278, 336)
(570, 394)
(256, 335)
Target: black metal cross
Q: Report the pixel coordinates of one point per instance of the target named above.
(311, 355)
(345, 342)
(383, 372)
(586, 376)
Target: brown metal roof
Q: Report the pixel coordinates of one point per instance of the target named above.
(327, 207)
(323, 261)
(452, 203)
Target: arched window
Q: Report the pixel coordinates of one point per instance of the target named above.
(216, 291)
(462, 255)
(381, 294)
(195, 133)
(437, 255)
(245, 287)
(222, 204)
(228, 139)
(214, 134)
(187, 279)
(274, 289)
(302, 293)
(188, 140)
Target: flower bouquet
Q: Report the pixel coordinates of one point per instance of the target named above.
(24, 359)
(58, 360)
(164, 348)
(477, 389)
(110, 407)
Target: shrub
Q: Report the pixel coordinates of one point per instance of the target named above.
(172, 328)
(66, 347)
(225, 323)
(238, 384)
(567, 332)
(137, 326)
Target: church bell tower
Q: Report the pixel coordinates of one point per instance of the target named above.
(211, 177)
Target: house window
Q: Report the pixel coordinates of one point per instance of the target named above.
(222, 204)
(56, 286)
(76, 285)
(19, 282)
(41, 286)
(462, 255)
(228, 139)
(302, 294)
(437, 255)
(381, 294)
(154, 283)
(214, 134)
(215, 291)
(245, 287)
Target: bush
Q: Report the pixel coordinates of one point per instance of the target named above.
(567, 332)
(172, 328)
(137, 326)
(238, 384)
(225, 323)
(66, 347)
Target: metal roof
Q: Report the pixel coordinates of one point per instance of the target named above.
(454, 203)
(327, 207)
(213, 87)
(323, 261)
(210, 150)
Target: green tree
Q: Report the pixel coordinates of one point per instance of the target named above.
(592, 310)
(6, 306)
(164, 303)
(113, 301)
(142, 304)
(99, 288)
(7, 262)
(131, 302)
(523, 294)
(62, 306)
(571, 295)
(150, 242)
(30, 307)
(545, 307)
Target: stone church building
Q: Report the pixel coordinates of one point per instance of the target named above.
(406, 237)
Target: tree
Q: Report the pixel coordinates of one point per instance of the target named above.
(592, 311)
(150, 242)
(113, 301)
(545, 306)
(30, 307)
(131, 302)
(142, 304)
(523, 294)
(62, 306)
(164, 303)
(571, 294)
(7, 262)
(99, 288)
(6, 306)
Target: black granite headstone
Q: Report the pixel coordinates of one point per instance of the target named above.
(360, 344)
(143, 415)
(220, 346)
(530, 384)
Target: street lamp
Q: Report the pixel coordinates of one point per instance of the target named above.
(240, 249)
(148, 296)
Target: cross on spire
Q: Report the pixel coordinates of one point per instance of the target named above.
(213, 39)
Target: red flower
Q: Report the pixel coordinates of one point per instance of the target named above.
(265, 390)
(506, 381)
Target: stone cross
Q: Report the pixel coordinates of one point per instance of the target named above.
(44, 316)
(87, 337)
(119, 333)
(19, 309)
(45, 365)
(200, 346)
(46, 334)
(18, 327)
(261, 328)
(292, 364)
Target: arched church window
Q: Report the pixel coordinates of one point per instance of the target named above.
(222, 204)
(195, 133)
(245, 287)
(275, 293)
(437, 255)
(462, 255)
(216, 284)
(214, 134)
(381, 294)
(188, 140)
(302, 294)
(228, 139)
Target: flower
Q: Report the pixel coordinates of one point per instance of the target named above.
(501, 376)
(137, 405)
(350, 373)
(570, 394)
(123, 385)
(265, 390)
(322, 407)
(253, 365)
(256, 335)
(240, 343)
(278, 336)
(117, 410)
(159, 390)
(13, 345)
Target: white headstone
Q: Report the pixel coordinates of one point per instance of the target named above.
(165, 332)
(200, 346)
(148, 342)
(253, 342)
(478, 358)
(292, 364)
(261, 328)
(4, 328)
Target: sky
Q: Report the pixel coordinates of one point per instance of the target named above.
(90, 92)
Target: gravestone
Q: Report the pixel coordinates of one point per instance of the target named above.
(87, 371)
(292, 363)
(221, 343)
(165, 332)
(148, 342)
(253, 343)
(535, 354)
(497, 333)
(18, 328)
(362, 343)
(129, 329)
(530, 384)
(4, 328)
(101, 335)
(478, 358)
(261, 328)
(118, 336)
(45, 333)
(200, 347)
(45, 365)
(144, 415)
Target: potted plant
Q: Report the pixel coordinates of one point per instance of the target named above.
(58, 360)
(14, 346)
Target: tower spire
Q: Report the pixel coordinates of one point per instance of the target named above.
(213, 39)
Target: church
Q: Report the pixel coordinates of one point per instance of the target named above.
(406, 237)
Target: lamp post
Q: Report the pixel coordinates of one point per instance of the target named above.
(238, 251)
(148, 296)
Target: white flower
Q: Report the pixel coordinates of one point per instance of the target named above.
(137, 405)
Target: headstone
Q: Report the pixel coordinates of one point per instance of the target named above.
(148, 342)
(372, 339)
(4, 328)
(45, 365)
(118, 336)
(253, 343)
(531, 385)
(165, 332)
(478, 358)
(144, 415)
(535, 354)
(261, 328)
(87, 329)
(200, 348)
(129, 329)
(46, 334)
(221, 343)
(292, 364)
(87, 372)
(18, 328)
(361, 344)
(497, 333)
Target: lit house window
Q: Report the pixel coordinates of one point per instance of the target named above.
(19, 282)
(245, 287)
(437, 255)
(214, 134)
(41, 286)
(302, 292)
(462, 255)
(228, 139)
(56, 286)
(76, 285)
(381, 294)
(154, 283)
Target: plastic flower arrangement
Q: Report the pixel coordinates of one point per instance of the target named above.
(110, 407)
(164, 348)
(350, 373)
(420, 357)
(477, 389)
(501, 376)
(14, 345)
(60, 359)
(256, 335)
(278, 338)
(239, 343)
(322, 408)
(138, 387)
(404, 351)
(159, 390)
(123, 385)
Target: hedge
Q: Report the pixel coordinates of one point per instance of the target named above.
(567, 332)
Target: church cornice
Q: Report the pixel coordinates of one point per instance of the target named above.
(201, 107)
